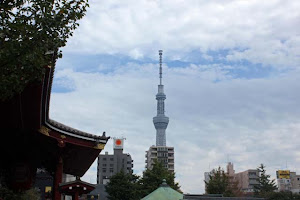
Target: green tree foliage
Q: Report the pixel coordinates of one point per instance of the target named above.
(221, 183)
(31, 33)
(265, 185)
(131, 187)
(218, 182)
(123, 186)
(7, 194)
(283, 196)
(152, 178)
(233, 188)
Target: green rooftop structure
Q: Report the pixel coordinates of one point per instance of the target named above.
(164, 192)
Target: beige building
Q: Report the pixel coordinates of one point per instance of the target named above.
(163, 154)
(230, 170)
(295, 180)
(288, 181)
(246, 179)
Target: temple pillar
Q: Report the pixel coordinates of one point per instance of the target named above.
(58, 179)
(75, 196)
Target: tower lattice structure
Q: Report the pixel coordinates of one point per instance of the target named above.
(160, 121)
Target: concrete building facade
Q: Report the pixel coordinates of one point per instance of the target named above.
(288, 181)
(246, 180)
(295, 180)
(163, 154)
(110, 164)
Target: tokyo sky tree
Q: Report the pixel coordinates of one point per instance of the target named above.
(160, 121)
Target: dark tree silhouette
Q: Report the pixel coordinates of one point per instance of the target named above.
(31, 33)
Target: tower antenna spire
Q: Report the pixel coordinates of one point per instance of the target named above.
(160, 66)
(160, 120)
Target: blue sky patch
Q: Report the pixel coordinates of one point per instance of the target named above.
(62, 85)
(105, 63)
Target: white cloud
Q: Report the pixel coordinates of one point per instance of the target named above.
(246, 121)
(215, 116)
(267, 31)
(279, 53)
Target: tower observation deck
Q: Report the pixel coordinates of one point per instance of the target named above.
(161, 152)
(160, 121)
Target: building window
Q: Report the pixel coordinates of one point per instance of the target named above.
(104, 158)
(104, 165)
(111, 165)
(111, 169)
(104, 170)
(111, 159)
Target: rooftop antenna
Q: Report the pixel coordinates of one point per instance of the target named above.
(160, 66)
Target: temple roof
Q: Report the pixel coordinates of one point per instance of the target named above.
(47, 87)
(77, 132)
(28, 130)
(77, 185)
(164, 192)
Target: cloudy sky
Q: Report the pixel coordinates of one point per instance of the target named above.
(231, 75)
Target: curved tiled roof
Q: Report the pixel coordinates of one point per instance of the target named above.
(74, 131)
(164, 192)
(57, 125)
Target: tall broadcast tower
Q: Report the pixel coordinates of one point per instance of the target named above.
(160, 121)
(160, 152)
